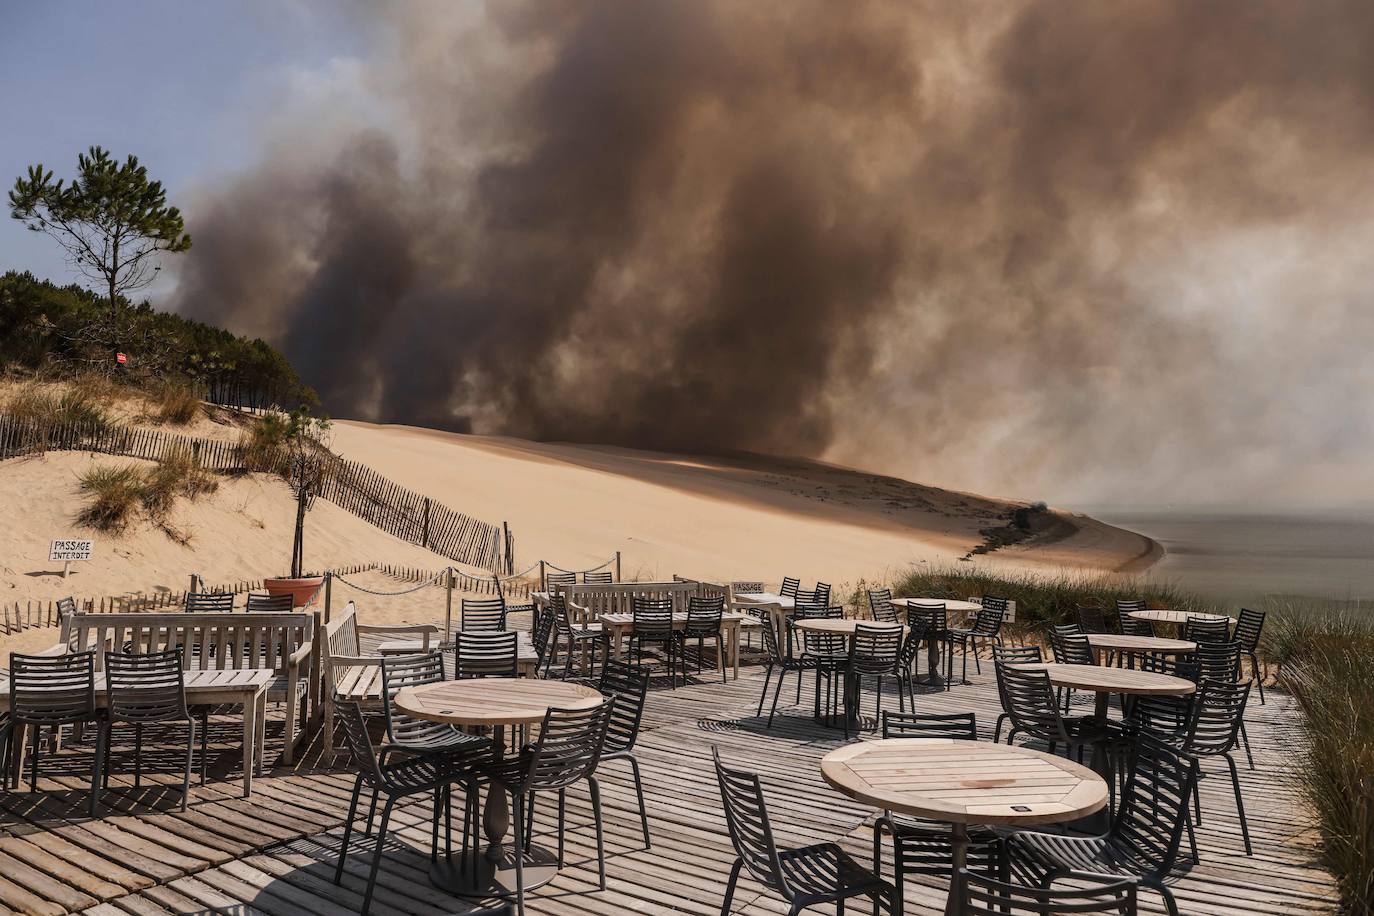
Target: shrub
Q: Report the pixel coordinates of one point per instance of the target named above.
(117, 494)
(176, 402)
(262, 445)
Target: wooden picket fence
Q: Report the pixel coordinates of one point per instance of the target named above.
(355, 487)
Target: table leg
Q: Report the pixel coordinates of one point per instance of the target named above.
(493, 871)
(261, 751)
(736, 634)
(958, 848)
(250, 742)
(933, 661)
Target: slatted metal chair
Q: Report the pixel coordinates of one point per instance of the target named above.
(556, 580)
(269, 604)
(1011, 655)
(598, 578)
(936, 619)
(627, 686)
(823, 592)
(50, 691)
(703, 622)
(1249, 629)
(987, 626)
(1203, 630)
(150, 689)
(1033, 711)
(396, 773)
(823, 653)
(1220, 662)
(789, 587)
(880, 605)
(782, 663)
(1130, 626)
(804, 876)
(575, 637)
(653, 623)
(209, 602)
(1092, 619)
(975, 895)
(873, 652)
(1145, 837)
(567, 752)
(911, 651)
(486, 654)
(1070, 647)
(484, 614)
(541, 628)
(920, 846)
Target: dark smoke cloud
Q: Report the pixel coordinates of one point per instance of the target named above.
(1108, 250)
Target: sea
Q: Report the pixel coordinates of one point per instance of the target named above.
(1242, 555)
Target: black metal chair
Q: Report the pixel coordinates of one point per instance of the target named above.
(823, 592)
(1010, 655)
(873, 652)
(919, 846)
(144, 690)
(1092, 619)
(1130, 626)
(1033, 711)
(975, 895)
(210, 602)
(269, 604)
(1203, 630)
(1213, 730)
(1220, 662)
(627, 686)
(486, 654)
(567, 752)
(50, 691)
(789, 587)
(781, 662)
(1249, 628)
(653, 623)
(1070, 647)
(824, 653)
(1146, 833)
(396, 773)
(703, 623)
(803, 877)
(880, 605)
(484, 615)
(541, 628)
(556, 580)
(911, 650)
(598, 578)
(987, 626)
(576, 637)
(936, 619)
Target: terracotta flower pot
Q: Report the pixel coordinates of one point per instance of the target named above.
(302, 590)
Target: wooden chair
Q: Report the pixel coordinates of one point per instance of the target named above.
(351, 676)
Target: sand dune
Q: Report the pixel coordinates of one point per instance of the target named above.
(744, 516)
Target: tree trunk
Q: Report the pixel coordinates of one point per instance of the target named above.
(298, 542)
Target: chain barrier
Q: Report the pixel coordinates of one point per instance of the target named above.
(576, 571)
(426, 584)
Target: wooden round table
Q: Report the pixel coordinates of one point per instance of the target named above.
(1131, 646)
(843, 626)
(495, 702)
(1177, 618)
(965, 782)
(951, 604)
(913, 606)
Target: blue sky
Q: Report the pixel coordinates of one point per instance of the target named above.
(184, 86)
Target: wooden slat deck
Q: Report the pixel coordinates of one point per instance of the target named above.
(274, 853)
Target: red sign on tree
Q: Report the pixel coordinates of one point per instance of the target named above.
(121, 358)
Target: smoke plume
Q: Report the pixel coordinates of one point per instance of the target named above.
(1100, 251)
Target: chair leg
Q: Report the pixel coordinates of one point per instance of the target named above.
(371, 810)
(720, 653)
(205, 740)
(767, 676)
(520, 841)
(730, 887)
(101, 737)
(138, 754)
(1259, 677)
(33, 758)
(348, 827)
(1240, 805)
(600, 833)
(977, 666)
(639, 791)
(1245, 740)
(777, 689)
(434, 824)
(377, 855)
(190, 753)
(562, 822)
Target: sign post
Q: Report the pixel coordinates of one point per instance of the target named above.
(67, 550)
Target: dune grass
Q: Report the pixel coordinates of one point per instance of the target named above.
(46, 408)
(119, 493)
(1323, 651)
(116, 495)
(175, 402)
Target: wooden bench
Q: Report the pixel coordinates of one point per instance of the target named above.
(282, 642)
(351, 676)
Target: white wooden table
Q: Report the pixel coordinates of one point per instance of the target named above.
(965, 782)
(245, 687)
(494, 702)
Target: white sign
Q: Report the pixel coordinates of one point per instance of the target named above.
(68, 550)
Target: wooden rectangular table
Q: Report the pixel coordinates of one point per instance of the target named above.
(618, 626)
(246, 687)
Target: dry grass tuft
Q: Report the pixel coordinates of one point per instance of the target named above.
(176, 402)
(117, 495)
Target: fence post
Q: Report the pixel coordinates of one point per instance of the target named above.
(448, 605)
(617, 567)
(543, 584)
(328, 593)
(505, 547)
(424, 539)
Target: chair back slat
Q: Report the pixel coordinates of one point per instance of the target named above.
(1152, 810)
(1029, 701)
(209, 602)
(874, 650)
(269, 604)
(704, 615)
(52, 689)
(569, 747)
(627, 686)
(1092, 619)
(147, 687)
(1203, 630)
(653, 617)
(821, 643)
(789, 587)
(1249, 628)
(962, 726)
(1070, 646)
(484, 614)
(359, 742)
(977, 895)
(880, 605)
(605, 577)
(399, 672)
(1218, 711)
(1217, 661)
